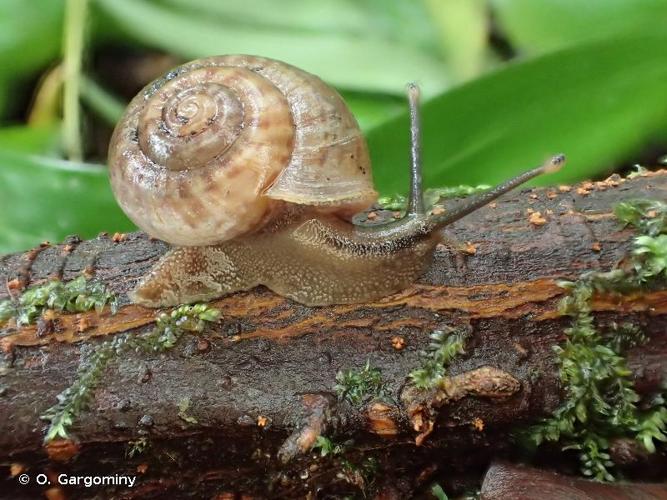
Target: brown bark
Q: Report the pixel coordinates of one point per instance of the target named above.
(518, 482)
(260, 385)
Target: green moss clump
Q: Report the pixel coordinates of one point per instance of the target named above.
(74, 296)
(7, 310)
(649, 255)
(327, 447)
(169, 328)
(183, 407)
(362, 475)
(438, 492)
(137, 447)
(358, 385)
(75, 398)
(648, 216)
(445, 346)
(601, 402)
(650, 260)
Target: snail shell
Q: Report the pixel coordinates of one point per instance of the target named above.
(203, 153)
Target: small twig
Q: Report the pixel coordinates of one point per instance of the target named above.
(75, 21)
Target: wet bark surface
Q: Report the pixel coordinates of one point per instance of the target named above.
(519, 482)
(259, 385)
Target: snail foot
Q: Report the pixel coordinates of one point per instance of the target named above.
(190, 274)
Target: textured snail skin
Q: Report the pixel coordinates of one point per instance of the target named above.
(314, 261)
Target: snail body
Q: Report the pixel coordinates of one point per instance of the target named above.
(312, 260)
(252, 169)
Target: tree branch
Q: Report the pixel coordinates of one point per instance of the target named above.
(260, 384)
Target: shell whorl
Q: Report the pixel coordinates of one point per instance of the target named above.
(200, 154)
(207, 110)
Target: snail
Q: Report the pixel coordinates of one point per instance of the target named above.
(252, 169)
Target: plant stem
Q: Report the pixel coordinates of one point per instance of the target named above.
(75, 21)
(45, 107)
(106, 105)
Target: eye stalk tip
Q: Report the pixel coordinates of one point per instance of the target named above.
(554, 164)
(413, 91)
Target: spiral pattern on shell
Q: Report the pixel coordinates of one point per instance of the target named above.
(203, 153)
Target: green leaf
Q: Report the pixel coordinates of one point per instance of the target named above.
(372, 110)
(366, 61)
(438, 492)
(550, 24)
(584, 101)
(407, 23)
(581, 412)
(296, 15)
(41, 139)
(30, 35)
(463, 34)
(46, 199)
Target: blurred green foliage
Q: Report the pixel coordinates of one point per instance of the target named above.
(30, 35)
(506, 82)
(583, 100)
